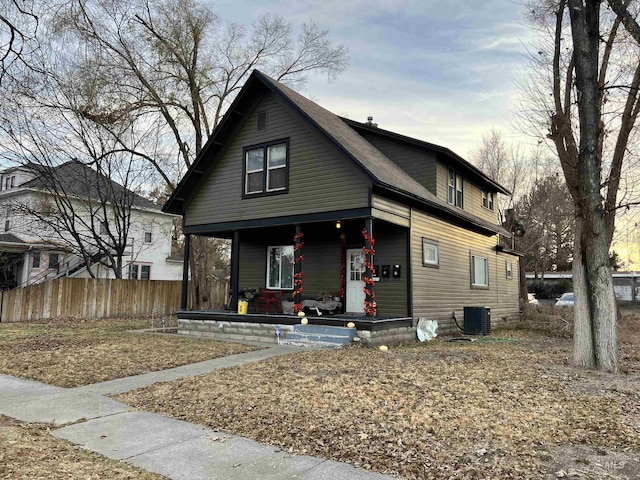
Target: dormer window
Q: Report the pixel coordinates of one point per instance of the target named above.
(266, 168)
(9, 182)
(487, 199)
(454, 188)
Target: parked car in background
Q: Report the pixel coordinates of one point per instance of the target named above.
(532, 299)
(566, 300)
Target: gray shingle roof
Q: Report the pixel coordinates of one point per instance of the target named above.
(77, 179)
(384, 171)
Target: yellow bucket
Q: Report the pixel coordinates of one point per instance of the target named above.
(243, 307)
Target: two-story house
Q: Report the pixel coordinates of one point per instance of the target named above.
(40, 251)
(322, 206)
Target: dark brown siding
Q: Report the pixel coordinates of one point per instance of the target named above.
(391, 249)
(417, 162)
(321, 178)
(437, 292)
(321, 264)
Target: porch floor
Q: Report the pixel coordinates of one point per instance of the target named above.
(361, 321)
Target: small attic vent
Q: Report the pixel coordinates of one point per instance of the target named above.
(262, 120)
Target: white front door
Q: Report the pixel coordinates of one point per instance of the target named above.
(355, 281)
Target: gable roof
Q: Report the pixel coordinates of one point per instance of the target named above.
(383, 172)
(74, 178)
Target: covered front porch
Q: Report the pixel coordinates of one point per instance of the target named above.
(336, 271)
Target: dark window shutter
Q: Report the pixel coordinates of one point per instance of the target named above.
(262, 120)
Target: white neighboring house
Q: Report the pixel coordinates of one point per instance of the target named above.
(40, 253)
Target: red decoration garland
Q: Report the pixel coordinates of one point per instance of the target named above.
(370, 298)
(297, 277)
(343, 261)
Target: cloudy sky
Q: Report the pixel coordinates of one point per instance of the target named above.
(439, 71)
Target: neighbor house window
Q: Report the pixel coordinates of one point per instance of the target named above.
(266, 168)
(138, 271)
(7, 219)
(36, 260)
(509, 269)
(147, 232)
(9, 182)
(479, 271)
(103, 228)
(454, 189)
(487, 199)
(54, 260)
(430, 254)
(280, 267)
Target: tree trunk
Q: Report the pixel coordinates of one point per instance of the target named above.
(583, 347)
(603, 301)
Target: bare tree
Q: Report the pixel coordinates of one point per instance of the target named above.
(505, 164)
(83, 185)
(175, 66)
(584, 91)
(18, 27)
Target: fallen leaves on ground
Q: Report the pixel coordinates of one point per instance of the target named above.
(490, 409)
(30, 452)
(74, 352)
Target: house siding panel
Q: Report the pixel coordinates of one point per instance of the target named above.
(391, 249)
(472, 194)
(437, 292)
(321, 177)
(419, 163)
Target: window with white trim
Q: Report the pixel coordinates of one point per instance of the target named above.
(508, 266)
(36, 260)
(280, 267)
(148, 229)
(430, 253)
(103, 228)
(139, 271)
(479, 271)
(266, 168)
(487, 199)
(455, 188)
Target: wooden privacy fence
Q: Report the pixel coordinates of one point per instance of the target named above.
(90, 298)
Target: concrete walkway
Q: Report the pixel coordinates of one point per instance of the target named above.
(173, 448)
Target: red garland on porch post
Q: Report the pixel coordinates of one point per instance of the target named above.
(343, 262)
(370, 272)
(297, 270)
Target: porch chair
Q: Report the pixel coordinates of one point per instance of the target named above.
(266, 298)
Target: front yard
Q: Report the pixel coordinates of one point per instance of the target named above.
(29, 452)
(71, 352)
(504, 407)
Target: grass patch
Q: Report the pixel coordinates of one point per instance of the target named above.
(30, 452)
(428, 411)
(74, 352)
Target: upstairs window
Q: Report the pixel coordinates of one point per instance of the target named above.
(36, 260)
(148, 229)
(454, 188)
(487, 199)
(54, 260)
(266, 168)
(103, 228)
(9, 182)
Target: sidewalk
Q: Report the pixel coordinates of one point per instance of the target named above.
(173, 448)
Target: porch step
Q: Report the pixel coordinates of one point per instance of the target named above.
(320, 336)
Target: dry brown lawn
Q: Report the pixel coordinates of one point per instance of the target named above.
(506, 407)
(72, 352)
(28, 451)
